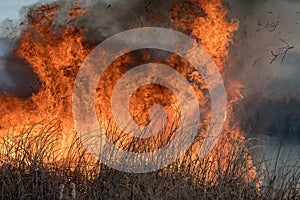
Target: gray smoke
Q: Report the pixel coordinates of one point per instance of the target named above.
(267, 46)
(16, 75)
(265, 57)
(6, 82)
(109, 17)
(266, 53)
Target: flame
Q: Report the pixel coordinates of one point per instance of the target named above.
(57, 56)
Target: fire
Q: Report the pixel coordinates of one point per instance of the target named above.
(57, 56)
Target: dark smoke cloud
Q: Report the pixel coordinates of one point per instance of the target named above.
(16, 75)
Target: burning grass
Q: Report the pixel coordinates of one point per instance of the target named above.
(47, 161)
(30, 169)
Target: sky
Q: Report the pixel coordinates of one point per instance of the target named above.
(10, 9)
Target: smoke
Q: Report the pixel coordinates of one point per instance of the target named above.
(267, 46)
(265, 58)
(6, 82)
(108, 17)
(16, 75)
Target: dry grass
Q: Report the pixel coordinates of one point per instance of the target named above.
(30, 169)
